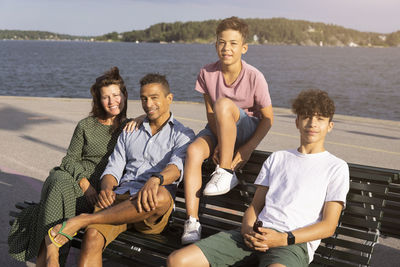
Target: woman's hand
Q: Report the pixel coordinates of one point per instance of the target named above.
(134, 124)
(89, 191)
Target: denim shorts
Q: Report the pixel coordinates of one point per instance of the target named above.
(245, 128)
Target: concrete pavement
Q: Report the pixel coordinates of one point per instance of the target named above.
(35, 133)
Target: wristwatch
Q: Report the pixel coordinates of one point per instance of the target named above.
(159, 176)
(290, 238)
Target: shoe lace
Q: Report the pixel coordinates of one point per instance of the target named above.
(217, 176)
(191, 226)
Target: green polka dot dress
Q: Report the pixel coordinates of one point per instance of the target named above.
(61, 196)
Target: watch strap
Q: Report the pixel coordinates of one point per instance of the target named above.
(291, 239)
(159, 176)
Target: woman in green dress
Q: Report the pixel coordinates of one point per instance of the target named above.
(72, 187)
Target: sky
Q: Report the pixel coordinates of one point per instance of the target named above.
(97, 17)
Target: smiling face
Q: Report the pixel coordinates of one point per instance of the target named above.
(230, 47)
(313, 129)
(112, 100)
(155, 102)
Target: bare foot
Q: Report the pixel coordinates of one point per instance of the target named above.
(70, 229)
(51, 253)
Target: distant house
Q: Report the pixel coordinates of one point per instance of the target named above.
(310, 29)
(255, 38)
(352, 44)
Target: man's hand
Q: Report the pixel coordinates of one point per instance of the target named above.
(106, 198)
(134, 124)
(147, 196)
(241, 157)
(268, 238)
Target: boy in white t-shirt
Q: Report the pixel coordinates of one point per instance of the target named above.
(298, 201)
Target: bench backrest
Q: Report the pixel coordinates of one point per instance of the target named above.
(359, 224)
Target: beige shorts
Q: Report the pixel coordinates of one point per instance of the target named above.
(111, 232)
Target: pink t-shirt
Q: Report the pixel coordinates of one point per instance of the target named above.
(249, 91)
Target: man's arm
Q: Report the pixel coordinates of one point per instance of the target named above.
(112, 173)
(244, 152)
(118, 159)
(326, 227)
(147, 196)
(107, 196)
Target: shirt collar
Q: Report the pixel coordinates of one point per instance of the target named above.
(146, 122)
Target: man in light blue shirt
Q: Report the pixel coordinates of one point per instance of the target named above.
(139, 183)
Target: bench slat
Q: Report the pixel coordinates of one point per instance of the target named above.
(353, 245)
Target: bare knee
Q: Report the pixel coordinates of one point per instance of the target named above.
(163, 197)
(190, 256)
(93, 241)
(176, 259)
(198, 151)
(224, 106)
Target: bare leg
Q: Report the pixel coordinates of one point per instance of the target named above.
(196, 153)
(48, 254)
(92, 249)
(41, 258)
(190, 256)
(226, 114)
(124, 212)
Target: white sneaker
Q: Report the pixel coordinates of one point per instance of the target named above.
(191, 231)
(221, 182)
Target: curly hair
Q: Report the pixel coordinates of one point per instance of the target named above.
(313, 102)
(236, 24)
(156, 78)
(110, 77)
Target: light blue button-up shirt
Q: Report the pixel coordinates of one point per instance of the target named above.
(139, 154)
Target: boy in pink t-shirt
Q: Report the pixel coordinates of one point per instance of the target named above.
(239, 114)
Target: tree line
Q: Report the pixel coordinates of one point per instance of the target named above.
(262, 31)
(37, 35)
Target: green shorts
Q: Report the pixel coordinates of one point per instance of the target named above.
(229, 249)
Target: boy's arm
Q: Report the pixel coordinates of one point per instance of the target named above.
(210, 114)
(251, 214)
(326, 227)
(244, 152)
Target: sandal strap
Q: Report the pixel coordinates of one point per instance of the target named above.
(64, 234)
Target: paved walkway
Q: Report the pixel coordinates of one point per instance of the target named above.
(35, 133)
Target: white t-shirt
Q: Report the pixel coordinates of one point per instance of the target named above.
(299, 185)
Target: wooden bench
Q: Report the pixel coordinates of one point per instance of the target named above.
(373, 192)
